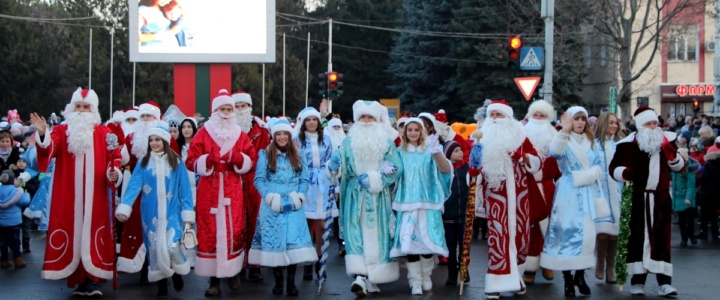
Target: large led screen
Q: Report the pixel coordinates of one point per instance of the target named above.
(202, 31)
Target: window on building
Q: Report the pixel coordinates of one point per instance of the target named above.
(682, 43)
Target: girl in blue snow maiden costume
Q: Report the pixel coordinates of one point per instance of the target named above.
(166, 204)
(282, 238)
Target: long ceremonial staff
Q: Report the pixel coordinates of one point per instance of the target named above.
(467, 236)
(326, 238)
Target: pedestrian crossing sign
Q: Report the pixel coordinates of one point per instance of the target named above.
(531, 58)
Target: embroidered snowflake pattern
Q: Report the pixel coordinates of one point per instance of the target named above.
(169, 196)
(147, 189)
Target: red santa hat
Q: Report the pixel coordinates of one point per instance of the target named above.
(223, 98)
(404, 117)
(150, 108)
(160, 131)
(441, 117)
(87, 96)
(242, 97)
(502, 107)
(644, 114)
(541, 106)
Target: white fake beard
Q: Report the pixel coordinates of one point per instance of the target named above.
(244, 119)
(80, 131)
(127, 128)
(649, 140)
(222, 125)
(140, 138)
(540, 133)
(500, 138)
(369, 143)
(336, 137)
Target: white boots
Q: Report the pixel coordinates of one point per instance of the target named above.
(415, 277)
(428, 264)
(358, 287)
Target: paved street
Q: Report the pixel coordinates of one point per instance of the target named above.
(697, 273)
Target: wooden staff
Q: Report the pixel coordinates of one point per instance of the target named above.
(467, 236)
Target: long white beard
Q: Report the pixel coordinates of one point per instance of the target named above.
(244, 119)
(369, 141)
(222, 126)
(336, 137)
(140, 138)
(127, 128)
(80, 131)
(540, 133)
(500, 138)
(649, 140)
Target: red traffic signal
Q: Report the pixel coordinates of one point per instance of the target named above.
(696, 106)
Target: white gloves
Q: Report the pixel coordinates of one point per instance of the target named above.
(434, 145)
(298, 199)
(274, 201)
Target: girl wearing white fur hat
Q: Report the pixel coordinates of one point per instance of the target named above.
(316, 147)
(580, 201)
(282, 238)
(161, 180)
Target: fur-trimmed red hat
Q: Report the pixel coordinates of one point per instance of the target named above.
(644, 114)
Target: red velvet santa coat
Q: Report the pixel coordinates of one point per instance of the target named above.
(80, 235)
(260, 139)
(541, 193)
(508, 219)
(132, 250)
(651, 204)
(220, 208)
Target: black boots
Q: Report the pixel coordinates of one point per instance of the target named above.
(290, 288)
(178, 283)
(214, 288)
(579, 281)
(308, 272)
(569, 285)
(254, 274)
(162, 291)
(278, 288)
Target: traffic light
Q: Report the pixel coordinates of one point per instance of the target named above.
(323, 83)
(334, 80)
(696, 106)
(514, 45)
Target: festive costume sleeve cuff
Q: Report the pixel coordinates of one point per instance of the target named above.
(297, 200)
(125, 156)
(376, 183)
(201, 166)
(119, 180)
(584, 177)
(246, 165)
(559, 144)
(618, 174)
(46, 140)
(123, 209)
(535, 164)
(676, 164)
(188, 216)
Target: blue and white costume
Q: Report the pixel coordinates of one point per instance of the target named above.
(166, 204)
(613, 189)
(39, 208)
(281, 238)
(419, 203)
(580, 200)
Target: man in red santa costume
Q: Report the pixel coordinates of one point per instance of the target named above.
(132, 251)
(131, 116)
(79, 243)
(259, 136)
(220, 153)
(508, 159)
(541, 133)
(646, 159)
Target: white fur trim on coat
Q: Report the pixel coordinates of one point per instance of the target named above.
(376, 184)
(201, 166)
(246, 165)
(132, 265)
(46, 140)
(123, 209)
(187, 216)
(618, 174)
(585, 177)
(376, 273)
(270, 198)
(297, 199)
(281, 259)
(535, 164)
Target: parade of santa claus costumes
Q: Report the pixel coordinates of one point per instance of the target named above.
(553, 200)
